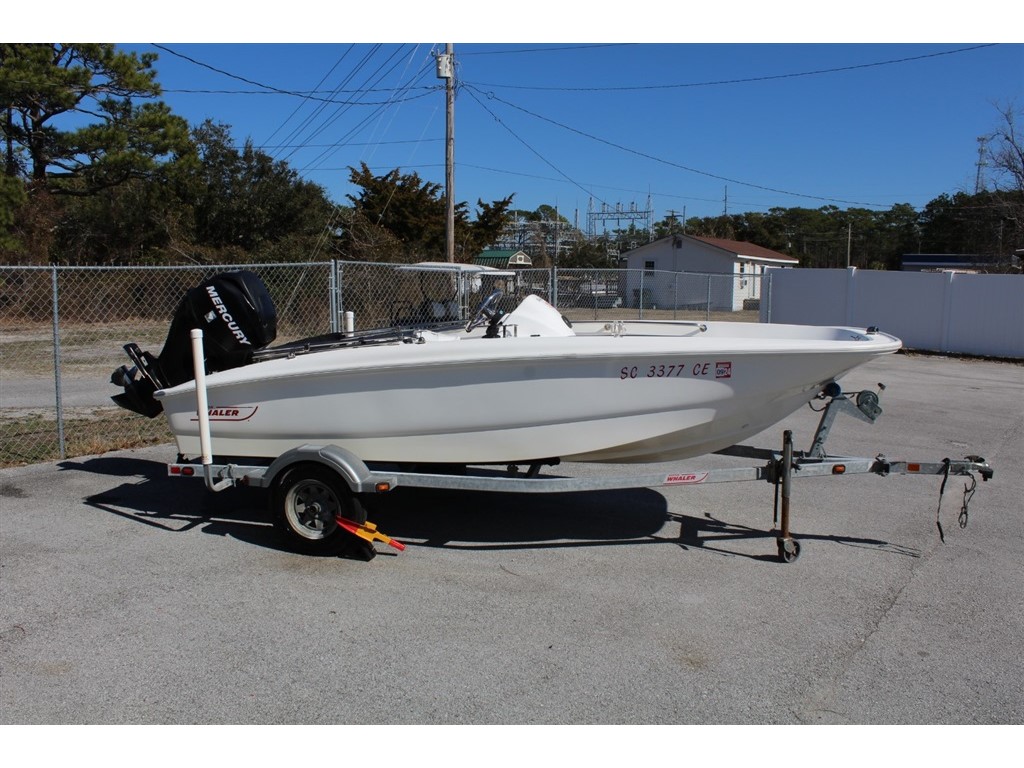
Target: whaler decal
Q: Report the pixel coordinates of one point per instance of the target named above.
(218, 304)
(231, 413)
(686, 478)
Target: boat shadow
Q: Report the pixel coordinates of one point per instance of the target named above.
(626, 517)
(494, 520)
(176, 505)
(147, 496)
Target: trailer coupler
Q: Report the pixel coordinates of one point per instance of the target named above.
(978, 464)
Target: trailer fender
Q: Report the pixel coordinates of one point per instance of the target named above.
(347, 465)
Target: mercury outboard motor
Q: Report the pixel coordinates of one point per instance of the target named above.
(237, 316)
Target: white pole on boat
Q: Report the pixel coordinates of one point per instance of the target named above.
(203, 412)
(202, 404)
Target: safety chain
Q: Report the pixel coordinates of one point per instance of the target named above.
(969, 490)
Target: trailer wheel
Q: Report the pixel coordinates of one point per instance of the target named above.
(305, 501)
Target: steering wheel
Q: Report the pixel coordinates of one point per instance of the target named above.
(486, 312)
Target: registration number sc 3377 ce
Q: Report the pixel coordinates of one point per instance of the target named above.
(721, 369)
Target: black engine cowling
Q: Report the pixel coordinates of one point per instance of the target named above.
(237, 317)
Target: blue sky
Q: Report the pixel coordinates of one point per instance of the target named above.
(761, 117)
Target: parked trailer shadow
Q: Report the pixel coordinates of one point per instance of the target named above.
(467, 520)
(151, 498)
(708, 534)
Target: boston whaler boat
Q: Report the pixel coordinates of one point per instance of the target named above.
(308, 418)
(509, 388)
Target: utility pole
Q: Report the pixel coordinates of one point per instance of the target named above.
(674, 219)
(446, 72)
(558, 234)
(849, 238)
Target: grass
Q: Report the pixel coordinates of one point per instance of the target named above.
(28, 349)
(29, 435)
(33, 438)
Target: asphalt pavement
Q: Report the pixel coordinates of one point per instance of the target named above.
(127, 597)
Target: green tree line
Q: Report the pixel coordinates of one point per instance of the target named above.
(984, 227)
(98, 170)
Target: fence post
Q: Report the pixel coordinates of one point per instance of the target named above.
(56, 361)
(463, 294)
(707, 304)
(332, 282)
(341, 291)
(640, 311)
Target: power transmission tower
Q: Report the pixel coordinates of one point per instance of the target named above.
(979, 182)
(619, 214)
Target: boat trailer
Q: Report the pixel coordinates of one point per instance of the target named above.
(316, 490)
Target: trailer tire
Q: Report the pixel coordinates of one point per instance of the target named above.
(305, 500)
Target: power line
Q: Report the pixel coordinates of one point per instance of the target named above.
(669, 162)
(408, 92)
(518, 138)
(551, 49)
(379, 74)
(269, 90)
(320, 109)
(224, 72)
(347, 144)
(738, 80)
(278, 92)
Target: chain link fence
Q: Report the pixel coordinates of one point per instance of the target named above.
(382, 295)
(591, 294)
(62, 329)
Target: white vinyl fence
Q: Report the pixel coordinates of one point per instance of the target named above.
(946, 312)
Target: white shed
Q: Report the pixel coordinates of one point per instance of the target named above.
(720, 274)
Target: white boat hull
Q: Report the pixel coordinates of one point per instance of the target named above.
(660, 391)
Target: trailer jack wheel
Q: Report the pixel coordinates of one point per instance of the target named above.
(789, 550)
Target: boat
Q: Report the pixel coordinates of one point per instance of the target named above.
(522, 386)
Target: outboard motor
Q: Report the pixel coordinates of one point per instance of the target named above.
(237, 317)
